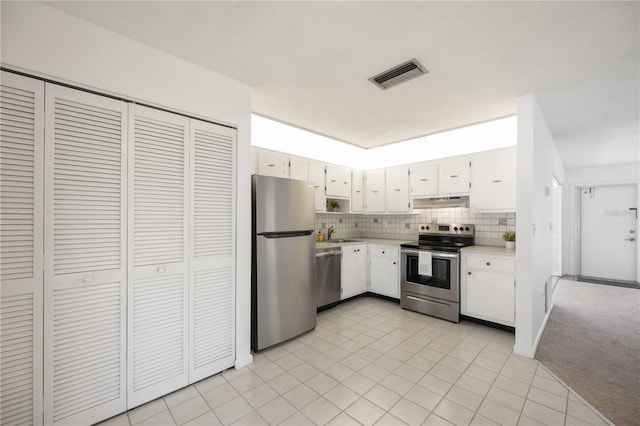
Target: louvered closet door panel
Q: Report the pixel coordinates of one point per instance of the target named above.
(212, 284)
(85, 256)
(158, 291)
(21, 214)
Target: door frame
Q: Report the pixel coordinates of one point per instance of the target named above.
(578, 225)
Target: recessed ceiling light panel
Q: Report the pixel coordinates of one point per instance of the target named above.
(399, 74)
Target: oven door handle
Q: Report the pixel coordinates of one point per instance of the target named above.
(433, 253)
(417, 299)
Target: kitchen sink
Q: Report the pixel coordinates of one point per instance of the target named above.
(344, 241)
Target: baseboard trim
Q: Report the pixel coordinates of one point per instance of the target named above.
(530, 352)
(243, 361)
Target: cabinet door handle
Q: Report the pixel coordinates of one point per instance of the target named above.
(316, 186)
(333, 180)
(357, 192)
(382, 252)
(394, 263)
(271, 165)
(397, 189)
(345, 182)
(454, 176)
(423, 180)
(375, 192)
(488, 263)
(468, 273)
(496, 181)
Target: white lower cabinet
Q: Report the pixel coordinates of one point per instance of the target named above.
(487, 287)
(384, 270)
(354, 270)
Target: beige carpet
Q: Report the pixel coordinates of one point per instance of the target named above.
(592, 343)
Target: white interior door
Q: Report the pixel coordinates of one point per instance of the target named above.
(557, 228)
(212, 249)
(84, 257)
(608, 239)
(21, 215)
(158, 257)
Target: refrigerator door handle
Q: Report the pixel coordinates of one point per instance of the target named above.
(288, 234)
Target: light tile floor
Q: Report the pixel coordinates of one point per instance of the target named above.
(370, 362)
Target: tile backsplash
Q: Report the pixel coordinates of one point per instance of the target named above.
(489, 227)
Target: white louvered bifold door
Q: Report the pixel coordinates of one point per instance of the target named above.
(85, 256)
(21, 215)
(212, 253)
(158, 292)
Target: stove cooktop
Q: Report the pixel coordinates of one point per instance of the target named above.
(443, 237)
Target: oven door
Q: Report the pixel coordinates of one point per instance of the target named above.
(444, 283)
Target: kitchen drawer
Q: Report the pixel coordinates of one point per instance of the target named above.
(488, 263)
(384, 251)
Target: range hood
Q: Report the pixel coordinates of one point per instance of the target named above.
(440, 202)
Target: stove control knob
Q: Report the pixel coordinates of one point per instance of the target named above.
(422, 227)
(466, 229)
(456, 228)
(428, 228)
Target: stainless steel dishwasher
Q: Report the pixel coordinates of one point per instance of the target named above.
(328, 271)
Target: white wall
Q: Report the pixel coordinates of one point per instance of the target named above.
(590, 176)
(42, 41)
(538, 161)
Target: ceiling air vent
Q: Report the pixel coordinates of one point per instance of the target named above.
(399, 74)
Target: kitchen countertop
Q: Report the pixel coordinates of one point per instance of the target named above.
(382, 241)
(488, 250)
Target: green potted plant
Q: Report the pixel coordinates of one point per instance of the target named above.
(510, 239)
(334, 205)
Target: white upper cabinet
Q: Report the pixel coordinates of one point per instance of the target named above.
(424, 179)
(338, 181)
(298, 168)
(493, 181)
(85, 275)
(21, 239)
(453, 176)
(357, 191)
(271, 163)
(316, 176)
(397, 190)
(374, 187)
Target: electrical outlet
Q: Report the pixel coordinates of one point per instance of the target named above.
(502, 222)
(407, 226)
(375, 220)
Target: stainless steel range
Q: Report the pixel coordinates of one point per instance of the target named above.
(430, 276)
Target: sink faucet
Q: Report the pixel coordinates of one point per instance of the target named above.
(329, 232)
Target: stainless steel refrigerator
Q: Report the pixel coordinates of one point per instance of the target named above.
(283, 293)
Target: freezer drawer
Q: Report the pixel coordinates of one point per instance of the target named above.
(283, 289)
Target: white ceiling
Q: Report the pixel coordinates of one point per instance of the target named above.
(308, 63)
